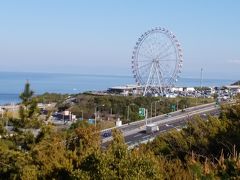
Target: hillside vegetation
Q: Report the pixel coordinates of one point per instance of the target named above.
(205, 149)
(120, 106)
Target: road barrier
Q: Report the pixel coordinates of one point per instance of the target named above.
(135, 129)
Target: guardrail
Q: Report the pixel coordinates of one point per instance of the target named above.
(156, 117)
(170, 119)
(151, 138)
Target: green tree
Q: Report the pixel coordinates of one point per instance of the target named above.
(26, 95)
(184, 103)
(51, 157)
(28, 110)
(16, 164)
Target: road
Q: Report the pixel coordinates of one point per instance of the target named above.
(134, 133)
(141, 137)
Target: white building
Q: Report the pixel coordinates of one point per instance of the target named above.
(126, 90)
(189, 89)
(234, 88)
(171, 95)
(176, 89)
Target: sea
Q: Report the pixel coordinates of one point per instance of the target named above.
(12, 83)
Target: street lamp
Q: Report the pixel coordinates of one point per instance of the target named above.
(155, 107)
(177, 104)
(151, 108)
(82, 115)
(109, 115)
(128, 109)
(96, 113)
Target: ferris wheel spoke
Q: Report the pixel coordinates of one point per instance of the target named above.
(147, 60)
(144, 69)
(150, 50)
(158, 49)
(163, 70)
(150, 46)
(167, 60)
(145, 52)
(145, 56)
(145, 65)
(166, 55)
(162, 40)
(162, 44)
(145, 74)
(143, 60)
(155, 47)
(165, 50)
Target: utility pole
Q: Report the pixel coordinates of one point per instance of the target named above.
(151, 109)
(128, 114)
(155, 109)
(146, 115)
(95, 117)
(177, 104)
(96, 113)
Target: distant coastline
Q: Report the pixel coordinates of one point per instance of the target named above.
(13, 83)
(23, 73)
(9, 99)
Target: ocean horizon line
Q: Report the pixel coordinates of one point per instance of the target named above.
(106, 75)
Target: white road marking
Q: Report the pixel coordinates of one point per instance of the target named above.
(137, 135)
(160, 121)
(146, 136)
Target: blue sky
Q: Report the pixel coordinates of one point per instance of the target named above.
(97, 37)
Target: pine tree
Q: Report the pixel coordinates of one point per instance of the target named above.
(26, 95)
(28, 110)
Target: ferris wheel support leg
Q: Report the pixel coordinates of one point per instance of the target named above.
(149, 77)
(159, 81)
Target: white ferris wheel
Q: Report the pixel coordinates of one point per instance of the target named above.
(157, 61)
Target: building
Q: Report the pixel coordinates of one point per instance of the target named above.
(126, 90)
(176, 89)
(233, 88)
(189, 89)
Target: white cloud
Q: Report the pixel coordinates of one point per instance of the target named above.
(234, 61)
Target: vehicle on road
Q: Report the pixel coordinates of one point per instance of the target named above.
(151, 128)
(107, 134)
(168, 115)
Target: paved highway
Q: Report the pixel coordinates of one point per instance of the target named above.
(141, 137)
(134, 133)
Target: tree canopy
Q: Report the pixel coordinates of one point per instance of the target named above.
(204, 149)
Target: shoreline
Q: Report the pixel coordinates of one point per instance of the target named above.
(65, 83)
